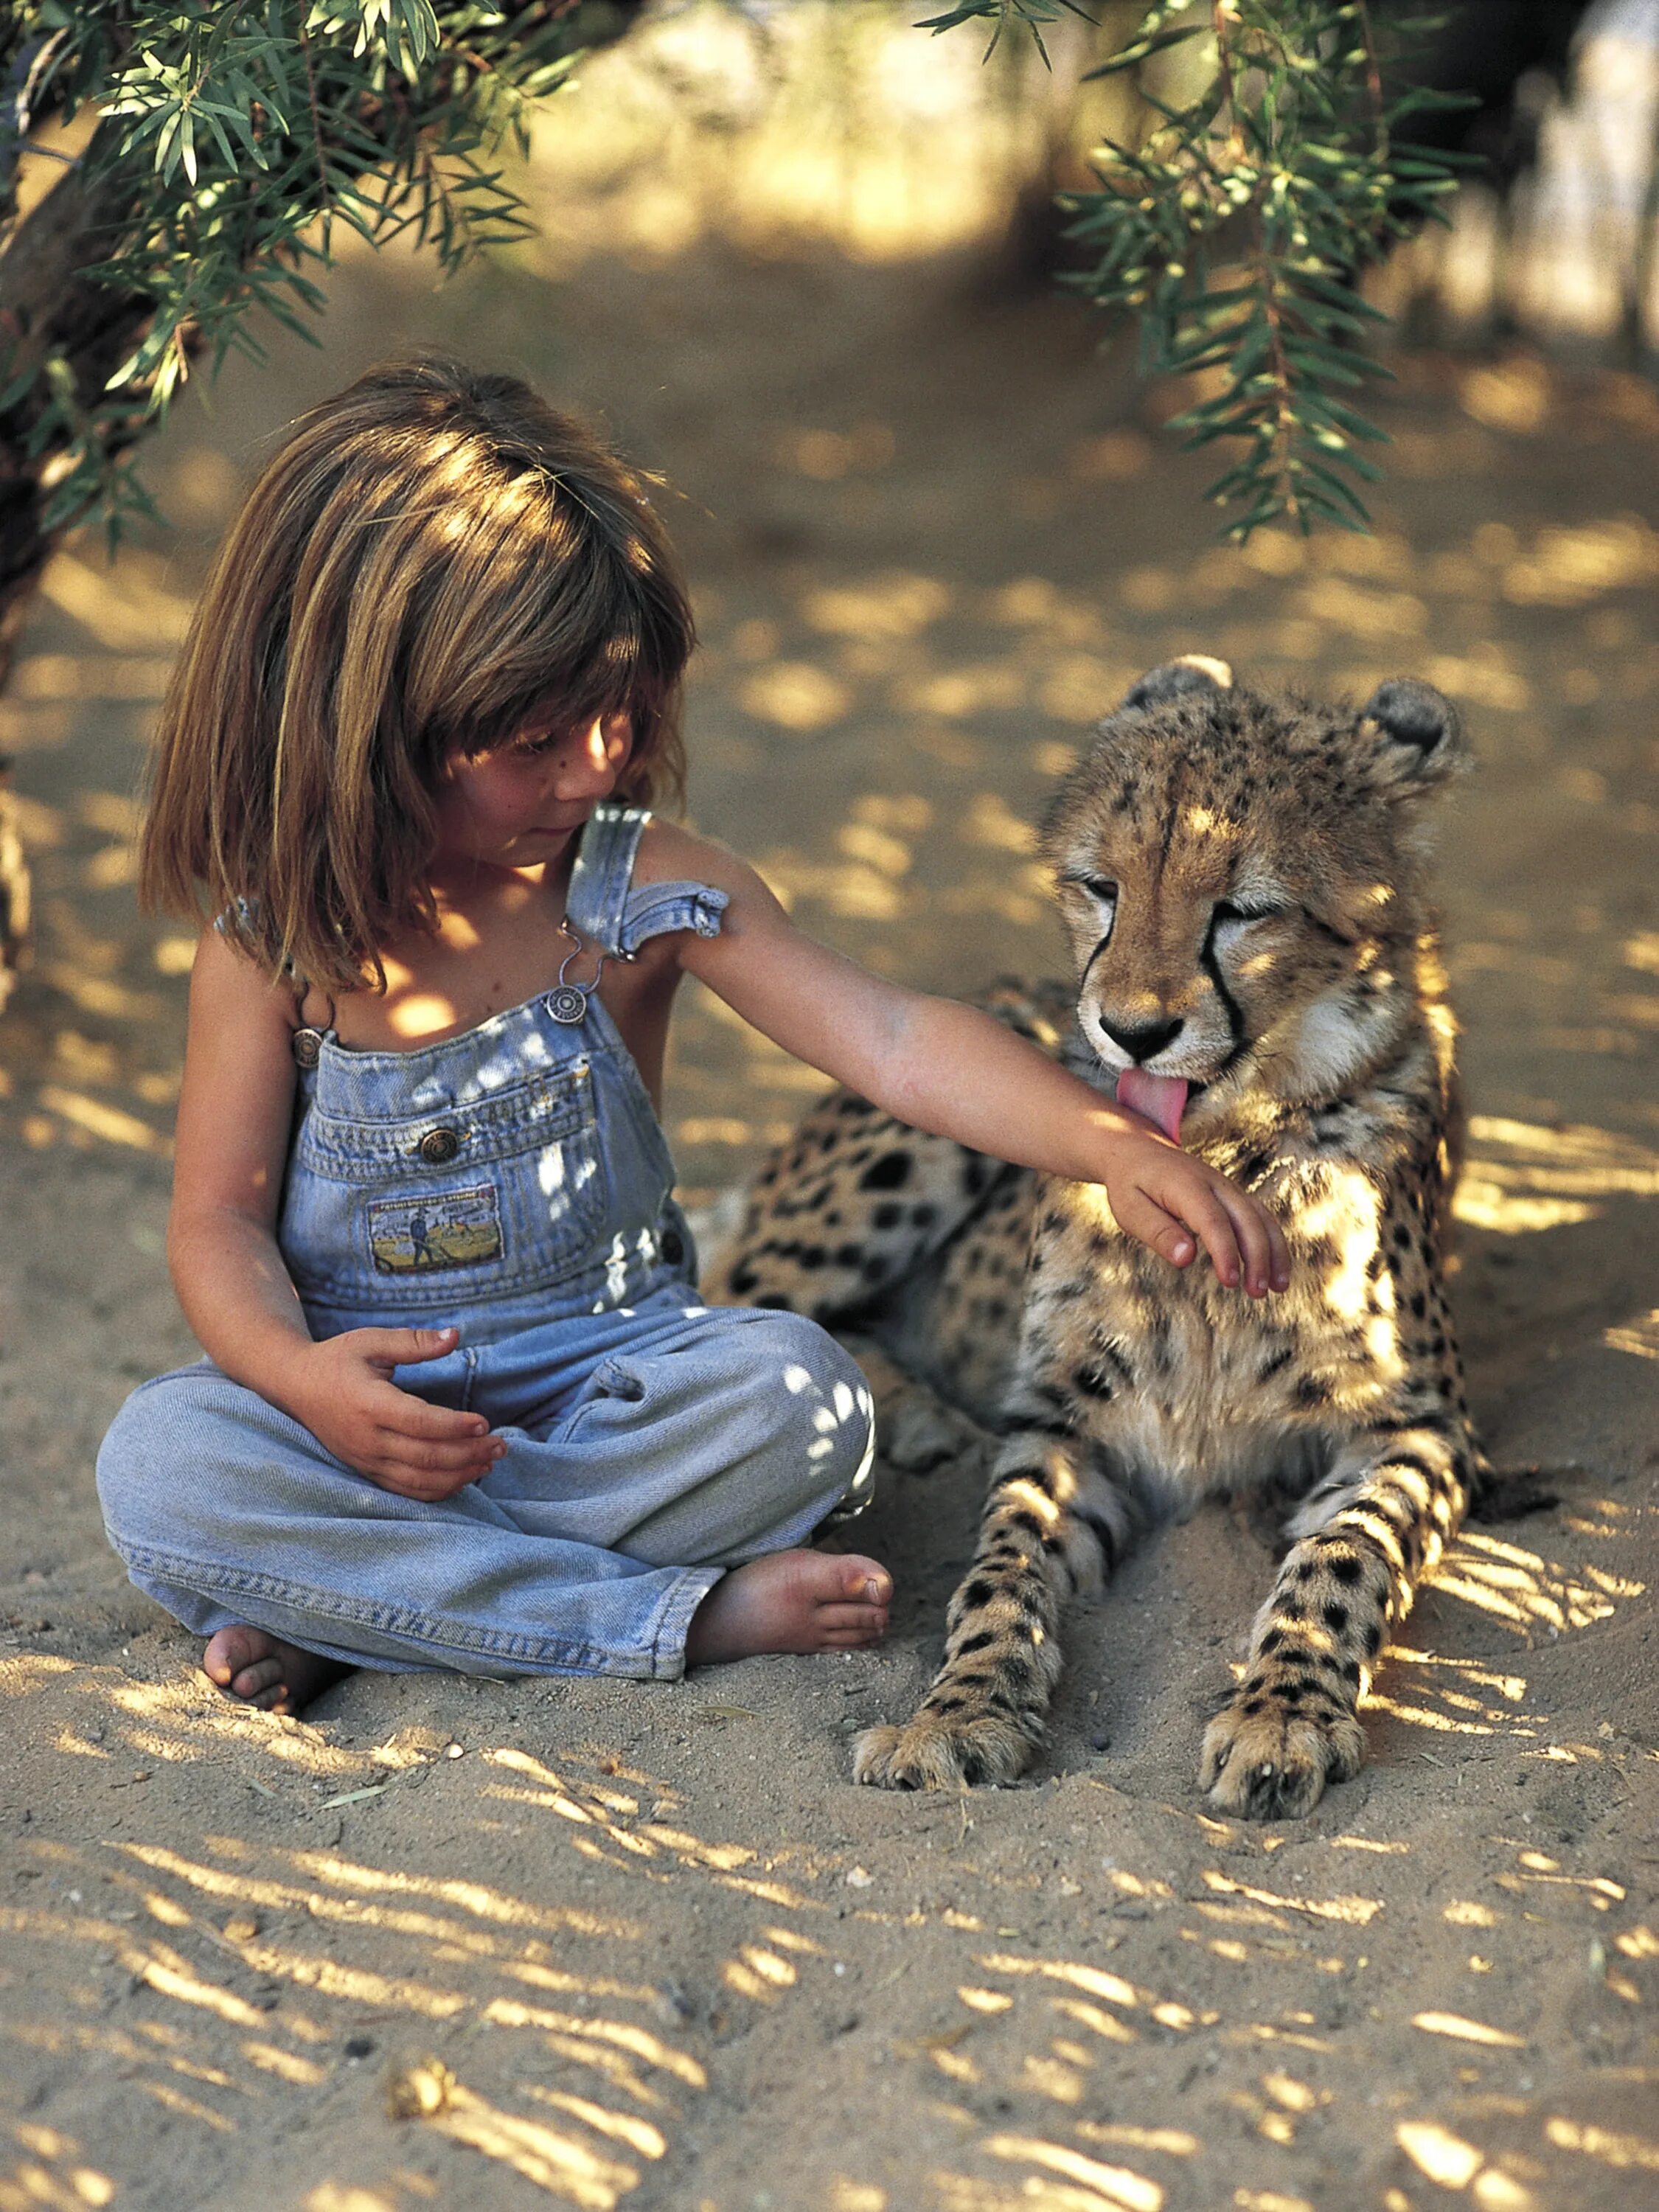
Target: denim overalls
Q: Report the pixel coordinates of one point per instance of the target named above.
(512, 1181)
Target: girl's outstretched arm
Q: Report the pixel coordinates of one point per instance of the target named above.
(234, 1113)
(947, 1067)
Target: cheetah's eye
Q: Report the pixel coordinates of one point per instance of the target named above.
(1102, 895)
(1103, 892)
(1230, 911)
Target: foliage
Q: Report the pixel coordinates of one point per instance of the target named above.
(234, 135)
(1235, 232)
(1033, 14)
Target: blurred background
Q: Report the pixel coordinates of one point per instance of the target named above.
(799, 259)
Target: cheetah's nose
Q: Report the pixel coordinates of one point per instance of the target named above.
(1146, 1042)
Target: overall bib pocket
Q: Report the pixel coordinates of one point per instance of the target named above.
(486, 1197)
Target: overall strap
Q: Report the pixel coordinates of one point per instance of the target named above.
(601, 878)
(607, 912)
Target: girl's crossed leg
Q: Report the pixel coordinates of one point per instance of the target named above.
(601, 1543)
(796, 1600)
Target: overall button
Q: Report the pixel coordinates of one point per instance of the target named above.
(439, 1146)
(308, 1047)
(672, 1246)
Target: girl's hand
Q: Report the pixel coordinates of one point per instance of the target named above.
(345, 1396)
(1159, 1193)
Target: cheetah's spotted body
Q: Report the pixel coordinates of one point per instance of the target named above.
(1243, 883)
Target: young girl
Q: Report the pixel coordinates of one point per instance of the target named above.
(462, 1406)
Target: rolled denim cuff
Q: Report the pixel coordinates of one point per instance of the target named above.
(674, 1624)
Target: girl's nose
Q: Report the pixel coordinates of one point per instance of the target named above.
(588, 767)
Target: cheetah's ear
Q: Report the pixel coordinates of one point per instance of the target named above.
(1194, 671)
(1416, 734)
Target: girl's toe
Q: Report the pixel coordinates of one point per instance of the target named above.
(869, 1617)
(866, 1579)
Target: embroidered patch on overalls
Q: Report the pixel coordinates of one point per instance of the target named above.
(461, 1229)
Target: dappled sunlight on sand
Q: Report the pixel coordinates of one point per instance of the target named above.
(262, 2044)
(51, 2176)
(1521, 1176)
(251, 1962)
(1639, 1337)
(176, 1722)
(1033, 2069)
(564, 2165)
(896, 161)
(553, 2041)
(1454, 2164)
(1603, 2144)
(1534, 1596)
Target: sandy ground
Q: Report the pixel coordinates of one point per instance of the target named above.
(669, 1956)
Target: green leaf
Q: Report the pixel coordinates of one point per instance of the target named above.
(1131, 57)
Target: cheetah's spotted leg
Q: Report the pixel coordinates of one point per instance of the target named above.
(1053, 1524)
(1371, 1531)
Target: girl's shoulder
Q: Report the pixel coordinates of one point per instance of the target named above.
(232, 992)
(240, 928)
(669, 853)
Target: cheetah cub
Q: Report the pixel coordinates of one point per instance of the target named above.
(1243, 882)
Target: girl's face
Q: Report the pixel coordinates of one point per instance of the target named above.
(520, 805)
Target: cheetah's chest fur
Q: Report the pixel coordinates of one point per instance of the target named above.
(1193, 1388)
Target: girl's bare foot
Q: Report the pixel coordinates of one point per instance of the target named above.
(261, 1670)
(791, 1601)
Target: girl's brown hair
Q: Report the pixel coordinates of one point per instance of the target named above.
(435, 559)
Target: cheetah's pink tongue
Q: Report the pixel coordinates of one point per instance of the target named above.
(1161, 1098)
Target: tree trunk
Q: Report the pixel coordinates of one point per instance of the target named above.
(47, 306)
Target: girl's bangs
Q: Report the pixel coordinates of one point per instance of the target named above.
(569, 691)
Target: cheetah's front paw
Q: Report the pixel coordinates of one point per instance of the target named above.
(935, 1751)
(1273, 1764)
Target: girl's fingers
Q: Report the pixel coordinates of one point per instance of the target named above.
(1250, 1229)
(1140, 1215)
(429, 1485)
(1188, 1208)
(1267, 1256)
(403, 1415)
(404, 1348)
(440, 1459)
(1211, 1222)
(1281, 1254)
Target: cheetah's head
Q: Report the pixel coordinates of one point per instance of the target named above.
(1242, 881)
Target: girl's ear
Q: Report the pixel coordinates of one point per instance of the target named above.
(1194, 671)
(1414, 736)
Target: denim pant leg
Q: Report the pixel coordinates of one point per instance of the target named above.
(713, 1436)
(225, 1510)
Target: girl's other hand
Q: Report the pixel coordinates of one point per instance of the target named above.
(345, 1396)
(1174, 1203)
